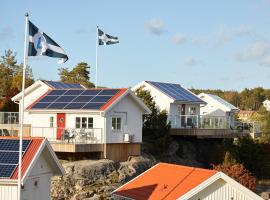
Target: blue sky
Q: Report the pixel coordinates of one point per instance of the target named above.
(200, 44)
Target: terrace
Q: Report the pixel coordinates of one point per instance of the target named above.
(203, 126)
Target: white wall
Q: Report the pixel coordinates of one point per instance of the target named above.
(162, 101)
(131, 115)
(8, 192)
(41, 173)
(222, 191)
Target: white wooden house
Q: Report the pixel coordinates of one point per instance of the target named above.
(93, 120)
(266, 104)
(168, 181)
(181, 105)
(39, 164)
(218, 107)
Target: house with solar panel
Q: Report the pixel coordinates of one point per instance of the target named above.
(39, 164)
(184, 110)
(82, 122)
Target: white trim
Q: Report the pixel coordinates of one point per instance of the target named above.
(214, 178)
(44, 144)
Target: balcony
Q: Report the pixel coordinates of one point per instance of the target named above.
(204, 126)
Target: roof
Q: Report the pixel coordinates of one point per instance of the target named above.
(176, 92)
(32, 148)
(169, 181)
(100, 99)
(219, 100)
(62, 85)
(77, 99)
(160, 183)
(246, 112)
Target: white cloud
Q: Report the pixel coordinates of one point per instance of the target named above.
(258, 52)
(155, 26)
(226, 34)
(191, 61)
(179, 39)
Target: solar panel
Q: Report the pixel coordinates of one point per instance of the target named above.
(75, 99)
(9, 155)
(6, 170)
(61, 85)
(175, 91)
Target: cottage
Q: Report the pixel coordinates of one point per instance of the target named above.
(79, 120)
(266, 104)
(39, 163)
(182, 106)
(218, 107)
(185, 183)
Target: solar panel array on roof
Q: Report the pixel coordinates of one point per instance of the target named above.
(9, 155)
(175, 91)
(75, 99)
(61, 85)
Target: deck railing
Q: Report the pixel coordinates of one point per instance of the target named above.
(198, 121)
(9, 118)
(69, 135)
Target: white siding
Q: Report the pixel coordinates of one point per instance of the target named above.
(131, 115)
(162, 100)
(220, 190)
(8, 192)
(41, 173)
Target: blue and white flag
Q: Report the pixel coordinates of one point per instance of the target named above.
(41, 44)
(106, 39)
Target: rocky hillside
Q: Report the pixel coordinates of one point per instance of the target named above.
(96, 179)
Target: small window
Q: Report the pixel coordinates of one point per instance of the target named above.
(116, 123)
(51, 122)
(78, 122)
(90, 122)
(192, 111)
(84, 122)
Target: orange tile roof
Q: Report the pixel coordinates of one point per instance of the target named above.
(29, 155)
(164, 181)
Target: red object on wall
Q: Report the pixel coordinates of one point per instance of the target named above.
(61, 125)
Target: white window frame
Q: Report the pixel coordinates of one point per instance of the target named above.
(51, 121)
(192, 110)
(86, 122)
(121, 123)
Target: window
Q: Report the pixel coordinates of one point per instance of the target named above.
(192, 110)
(51, 122)
(116, 123)
(84, 122)
(90, 122)
(78, 122)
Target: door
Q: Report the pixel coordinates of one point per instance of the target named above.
(183, 112)
(61, 125)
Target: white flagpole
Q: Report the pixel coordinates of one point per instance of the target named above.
(97, 43)
(22, 106)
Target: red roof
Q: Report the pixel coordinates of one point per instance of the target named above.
(29, 154)
(164, 181)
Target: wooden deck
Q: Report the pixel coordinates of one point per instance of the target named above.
(76, 148)
(208, 133)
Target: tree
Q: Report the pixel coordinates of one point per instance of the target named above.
(155, 127)
(239, 173)
(11, 80)
(79, 74)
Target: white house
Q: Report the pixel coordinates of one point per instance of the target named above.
(77, 115)
(218, 107)
(39, 164)
(266, 104)
(168, 181)
(182, 106)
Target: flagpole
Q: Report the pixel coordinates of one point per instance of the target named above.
(97, 59)
(22, 106)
